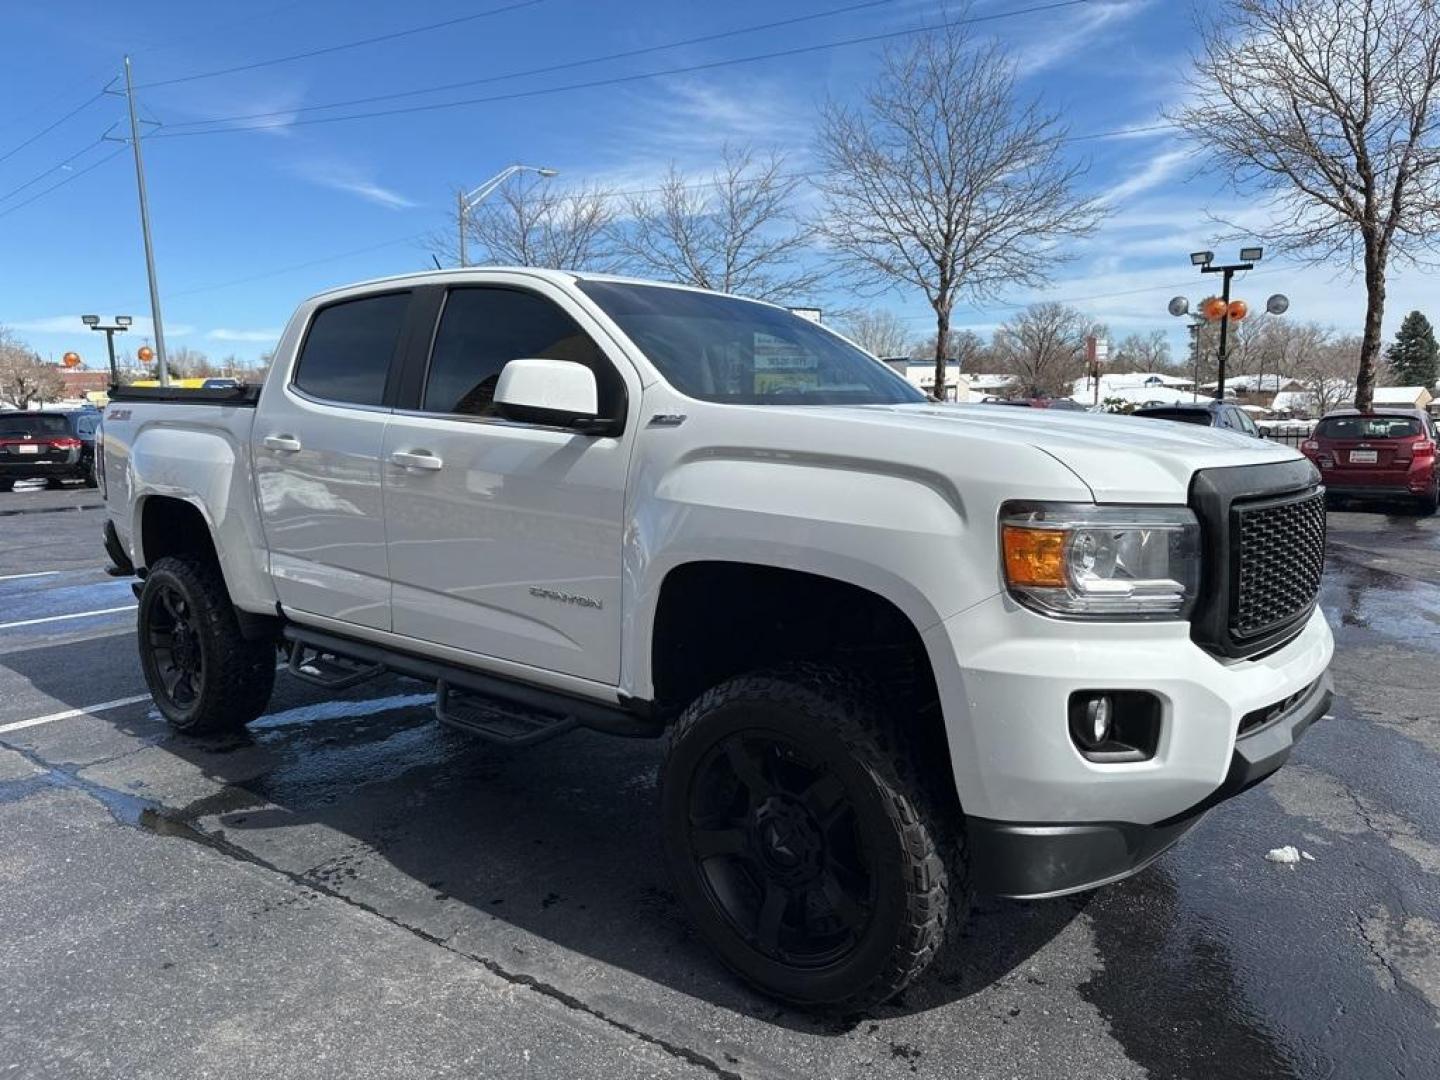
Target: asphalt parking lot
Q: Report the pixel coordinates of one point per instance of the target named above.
(355, 891)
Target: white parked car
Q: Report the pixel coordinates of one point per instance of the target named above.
(902, 651)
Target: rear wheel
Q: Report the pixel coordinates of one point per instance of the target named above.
(808, 853)
(1428, 503)
(91, 480)
(202, 673)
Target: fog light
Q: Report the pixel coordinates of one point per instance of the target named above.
(1115, 726)
(1096, 728)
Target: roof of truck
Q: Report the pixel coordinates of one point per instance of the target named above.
(557, 277)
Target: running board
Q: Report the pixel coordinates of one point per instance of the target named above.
(333, 672)
(496, 722)
(629, 717)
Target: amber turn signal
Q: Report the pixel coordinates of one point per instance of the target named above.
(1034, 557)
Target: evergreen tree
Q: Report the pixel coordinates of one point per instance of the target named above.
(1414, 357)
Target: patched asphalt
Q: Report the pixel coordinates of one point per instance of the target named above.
(352, 890)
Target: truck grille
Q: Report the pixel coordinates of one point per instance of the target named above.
(1280, 549)
(1262, 537)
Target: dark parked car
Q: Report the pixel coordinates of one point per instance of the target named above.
(1380, 454)
(52, 446)
(1218, 414)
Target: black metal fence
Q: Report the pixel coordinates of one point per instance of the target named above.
(1288, 438)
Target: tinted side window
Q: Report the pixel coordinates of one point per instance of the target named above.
(347, 353)
(483, 329)
(85, 427)
(1246, 424)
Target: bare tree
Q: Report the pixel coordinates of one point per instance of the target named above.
(737, 231)
(24, 378)
(1044, 348)
(878, 331)
(1329, 106)
(1324, 367)
(529, 222)
(1146, 354)
(945, 181)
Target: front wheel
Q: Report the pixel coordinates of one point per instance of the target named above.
(807, 851)
(202, 672)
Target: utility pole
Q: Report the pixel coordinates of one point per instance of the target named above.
(460, 217)
(161, 366)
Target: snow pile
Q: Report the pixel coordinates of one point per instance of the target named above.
(1288, 855)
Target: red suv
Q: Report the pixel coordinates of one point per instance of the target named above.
(1380, 454)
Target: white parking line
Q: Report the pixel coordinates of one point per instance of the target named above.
(57, 618)
(38, 573)
(36, 721)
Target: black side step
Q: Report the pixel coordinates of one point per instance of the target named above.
(329, 670)
(632, 719)
(496, 722)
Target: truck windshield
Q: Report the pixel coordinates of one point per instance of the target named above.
(719, 348)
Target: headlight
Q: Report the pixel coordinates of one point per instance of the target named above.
(1123, 562)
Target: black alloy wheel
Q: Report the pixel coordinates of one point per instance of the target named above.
(775, 836)
(174, 639)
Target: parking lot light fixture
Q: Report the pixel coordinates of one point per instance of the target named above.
(118, 325)
(1251, 254)
(1202, 258)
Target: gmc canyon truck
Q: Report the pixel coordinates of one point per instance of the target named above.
(902, 651)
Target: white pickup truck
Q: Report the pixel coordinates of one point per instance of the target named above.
(902, 651)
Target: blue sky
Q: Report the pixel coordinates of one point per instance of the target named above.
(246, 224)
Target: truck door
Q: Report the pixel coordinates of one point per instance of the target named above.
(505, 537)
(317, 445)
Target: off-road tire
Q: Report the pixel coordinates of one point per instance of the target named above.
(236, 675)
(910, 840)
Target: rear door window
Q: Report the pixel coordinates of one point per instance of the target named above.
(348, 351)
(1368, 427)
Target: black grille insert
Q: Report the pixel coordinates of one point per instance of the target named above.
(1262, 535)
(1280, 553)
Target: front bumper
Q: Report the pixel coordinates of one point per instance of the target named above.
(1005, 676)
(1038, 861)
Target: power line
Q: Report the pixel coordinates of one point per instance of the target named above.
(72, 177)
(58, 165)
(301, 266)
(340, 48)
(547, 70)
(798, 50)
(46, 130)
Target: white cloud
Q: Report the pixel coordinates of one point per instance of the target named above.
(69, 324)
(344, 176)
(1155, 172)
(1069, 35)
(224, 334)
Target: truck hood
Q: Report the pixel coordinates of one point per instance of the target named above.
(1120, 458)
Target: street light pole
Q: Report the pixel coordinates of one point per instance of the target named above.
(464, 202)
(161, 367)
(120, 325)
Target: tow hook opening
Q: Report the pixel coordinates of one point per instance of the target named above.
(1114, 726)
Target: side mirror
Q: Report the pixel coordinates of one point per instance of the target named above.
(544, 391)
